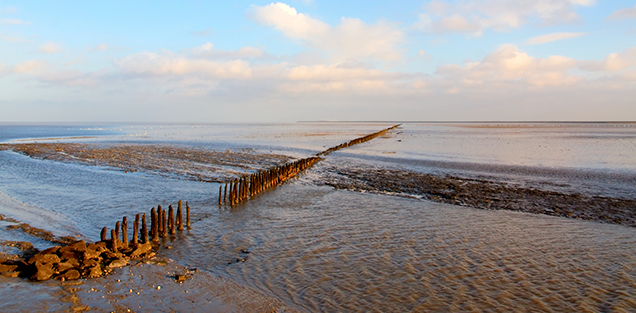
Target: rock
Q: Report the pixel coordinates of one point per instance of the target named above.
(51, 250)
(65, 266)
(67, 255)
(141, 250)
(117, 263)
(44, 271)
(91, 254)
(94, 272)
(89, 263)
(8, 267)
(10, 274)
(79, 246)
(70, 275)
(112, 255)
(44, 259)
(98, 246)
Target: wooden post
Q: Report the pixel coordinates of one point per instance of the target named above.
(170, 219)
(164, 221)
(160, 221)
(104, 234)
(135, 239)
(117, 226)
(113, 240)
(187, 215)
(225, 194)
(144, 230)
(179, 217)
(124, 232)
(220, 194)
(154, 226)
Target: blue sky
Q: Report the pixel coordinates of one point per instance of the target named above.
(259, 61)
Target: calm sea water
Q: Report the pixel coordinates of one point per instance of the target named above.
(319, 249)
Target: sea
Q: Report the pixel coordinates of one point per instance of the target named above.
(320, 249)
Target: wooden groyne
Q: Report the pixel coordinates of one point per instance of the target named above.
(90, 260)
(248, 186)
(243, 188)
(357, 141)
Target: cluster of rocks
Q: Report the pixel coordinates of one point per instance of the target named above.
(74, 261)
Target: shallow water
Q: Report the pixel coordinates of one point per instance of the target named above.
(319, 249)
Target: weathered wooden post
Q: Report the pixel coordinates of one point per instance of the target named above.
(124, 232)
(187, 215)
(164, 227)
(160, 221)
(144, 230)
(170, 219)
(154, 226)
(220, 195)
(179, 217)
(113, 240)
(117, 226)
(135, 239)
(104, 234)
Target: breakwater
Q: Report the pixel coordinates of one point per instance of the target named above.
(247, 186)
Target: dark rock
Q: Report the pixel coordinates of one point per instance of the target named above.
(140, 250)
(44, 259)
(67, 255)
(79, 246)
(65, 266)
(72, 274)
(118, 263)
(8, 267)
(98, 246)
(89, 263)
(44, 271)
(112, 255)
(51, 250)
(91, 254)
(94, 272)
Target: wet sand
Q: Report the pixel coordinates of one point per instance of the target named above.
(483, 194)
(147, 286)
(193, 164)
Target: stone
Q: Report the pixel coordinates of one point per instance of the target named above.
(67, 255)
(8, 267)
(10, 274)
(89, 263)
(65, 266)
(79, 246)
(91, 254)
(100, 246)
(117, 263)
(140, 250)
(112, 255)
(44, 259)
(70, 275)
(44, 271)
(94, 272)
(51, 250)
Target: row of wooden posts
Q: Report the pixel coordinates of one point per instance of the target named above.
(356, 141)
(248, 186)
(161, 226)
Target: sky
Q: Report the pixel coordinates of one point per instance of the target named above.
(308, 60)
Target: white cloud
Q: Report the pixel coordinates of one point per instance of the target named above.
(101, 47)
(170, 64)
(508, 64)
(50, 47)
(613, 62)
(208, 51)
(7, 21)
(475, 16)
(352, 38)
(626, 13)
(552, 37)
